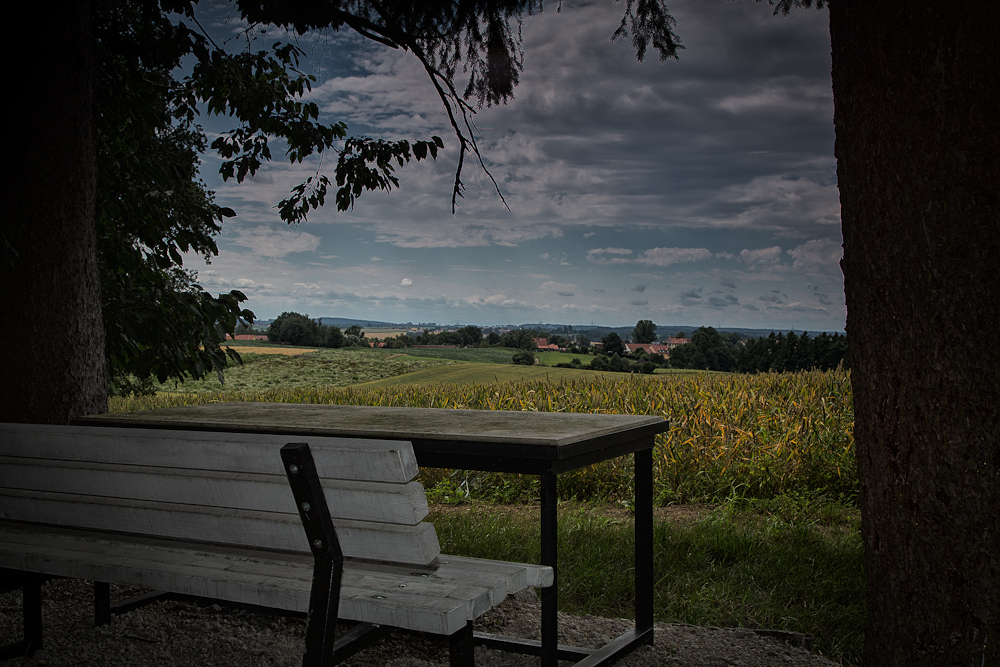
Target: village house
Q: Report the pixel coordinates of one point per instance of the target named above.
(663, 347)
(543, 345)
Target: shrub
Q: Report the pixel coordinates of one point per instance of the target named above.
(524, 358)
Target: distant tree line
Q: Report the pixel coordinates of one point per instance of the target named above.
(777, 353)
(296, 329)
(472, 336)
(707, 350)
(711, 350)
(788, 353)
(464, 337)
(613, 358)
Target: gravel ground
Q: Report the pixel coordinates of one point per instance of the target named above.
(182, 634)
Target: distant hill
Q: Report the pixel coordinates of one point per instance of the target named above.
(593, 332)
(345, 322)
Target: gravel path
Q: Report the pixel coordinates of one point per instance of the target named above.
(183, 634)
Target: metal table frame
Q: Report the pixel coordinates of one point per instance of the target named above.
(471, 451)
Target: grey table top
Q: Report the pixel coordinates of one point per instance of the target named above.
(472, 439)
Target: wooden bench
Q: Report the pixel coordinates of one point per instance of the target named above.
(333, 528)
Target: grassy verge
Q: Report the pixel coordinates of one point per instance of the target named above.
(757, 566)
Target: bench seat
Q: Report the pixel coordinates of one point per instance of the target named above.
(448, 593)
(214, 516)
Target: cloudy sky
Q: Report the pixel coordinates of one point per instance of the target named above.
(700, 191)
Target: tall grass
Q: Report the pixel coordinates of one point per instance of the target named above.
(775, 565)
(743, 436)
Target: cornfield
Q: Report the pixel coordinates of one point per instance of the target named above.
(750, 436)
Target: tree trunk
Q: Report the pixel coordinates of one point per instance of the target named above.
(917, 99)
(53, 352)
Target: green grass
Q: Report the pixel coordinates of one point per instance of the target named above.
(553, 358)
(737, 567)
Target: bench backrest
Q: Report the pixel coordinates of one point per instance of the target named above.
(224, 488)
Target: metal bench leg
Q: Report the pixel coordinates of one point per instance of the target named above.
(102, 603)
(31, 610)
(328, 559)
(461, 648)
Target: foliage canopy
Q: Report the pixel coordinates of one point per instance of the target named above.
(152, 205)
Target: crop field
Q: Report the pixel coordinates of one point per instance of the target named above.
(730, 435)
(382, 334)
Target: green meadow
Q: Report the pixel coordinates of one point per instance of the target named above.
(755, 484)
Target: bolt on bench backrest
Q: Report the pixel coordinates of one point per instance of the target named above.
(213, 487)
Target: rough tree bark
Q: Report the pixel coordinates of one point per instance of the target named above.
(917, 99)
(53, 352)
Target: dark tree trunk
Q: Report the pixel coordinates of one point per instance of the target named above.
(917, 95)
(53, 351)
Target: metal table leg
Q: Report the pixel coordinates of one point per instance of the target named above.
(550, 604)
(644, 542)
(549, 648)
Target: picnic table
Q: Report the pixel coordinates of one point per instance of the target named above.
(538, 443)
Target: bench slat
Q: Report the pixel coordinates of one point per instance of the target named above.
(501, 578)
(270, 530)
(535, 576)
(347, 499)
(439, 603)
(340, 458)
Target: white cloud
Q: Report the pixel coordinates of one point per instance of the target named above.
(553, 286)
(783, 202)
(617, 255)
(818, 257)
(781, 96)
(405, 282)
(455, 232)
(668, 256)
(761, 256)
(652, 257)
(267, 242)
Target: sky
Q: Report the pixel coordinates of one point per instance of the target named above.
(700, 191)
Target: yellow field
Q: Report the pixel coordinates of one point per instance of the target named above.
(288, 351)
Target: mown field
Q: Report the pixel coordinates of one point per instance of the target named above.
(286, 367)
(768, 459)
